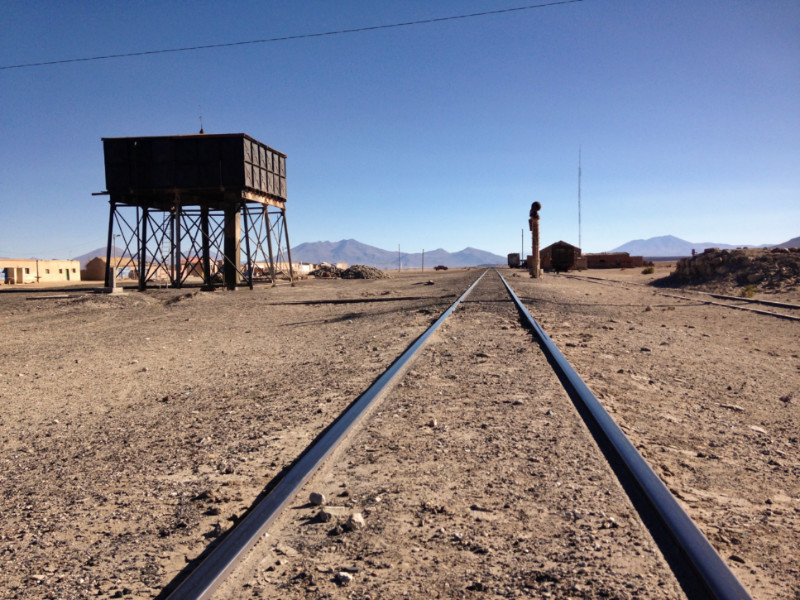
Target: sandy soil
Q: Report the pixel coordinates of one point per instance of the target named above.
(135, 428)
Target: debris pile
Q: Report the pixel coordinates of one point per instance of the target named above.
(363, 272)
(326, 271)
(768, 269)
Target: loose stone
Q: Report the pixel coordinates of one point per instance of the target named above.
(343, 578)
(356, 521)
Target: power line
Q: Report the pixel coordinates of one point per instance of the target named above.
(293, 37)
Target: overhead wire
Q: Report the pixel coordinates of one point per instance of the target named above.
(293, 37)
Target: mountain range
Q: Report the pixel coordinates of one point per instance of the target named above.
(354, 252)
(669, 245)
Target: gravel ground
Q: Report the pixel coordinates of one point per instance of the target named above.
(136, 428)
(475, 477)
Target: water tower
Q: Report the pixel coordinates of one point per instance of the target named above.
(212, 206)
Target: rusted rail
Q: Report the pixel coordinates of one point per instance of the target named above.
(699, 569)
(209, 574)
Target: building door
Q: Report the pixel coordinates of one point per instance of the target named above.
(67, 271)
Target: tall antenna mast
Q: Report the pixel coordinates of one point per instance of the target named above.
(580, 245)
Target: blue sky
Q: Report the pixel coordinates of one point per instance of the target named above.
(687, 114)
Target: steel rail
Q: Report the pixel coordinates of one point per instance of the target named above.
(772, 303)
(201, 583)
(786, 305)
(733, 306)
(699, 569)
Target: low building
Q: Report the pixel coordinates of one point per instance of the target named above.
(613, 260)
(261, 269)
(96, 269)
(32, 270)
(560, 256)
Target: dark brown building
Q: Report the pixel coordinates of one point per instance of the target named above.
(560, 256)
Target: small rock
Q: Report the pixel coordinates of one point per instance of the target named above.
(610, 523)
(356, 521)
(286, 550)
(331, 512)
(343, 578)
(736, 558)
(433, 423)
(787, 398)
(317, 498)
(645, 349)
(758, 429)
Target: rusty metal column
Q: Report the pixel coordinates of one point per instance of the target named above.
(177, 280)
(250, 264)
(269, 245)
(110, 240)
(143, 251)
(207, 285)
(288, 247)
(535, 265)
(233, 236)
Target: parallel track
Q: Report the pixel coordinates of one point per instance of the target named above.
(682, 296)
(697, 566)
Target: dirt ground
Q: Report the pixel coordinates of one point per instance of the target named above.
(136, 428)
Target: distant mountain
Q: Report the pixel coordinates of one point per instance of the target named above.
(355, 253)
(792, 243)
(666, 245)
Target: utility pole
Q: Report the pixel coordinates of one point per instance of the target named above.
(398, 257)
(580, 245)
(521, 245)
(423, 260)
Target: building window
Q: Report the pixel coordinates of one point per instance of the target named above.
(73, 270)
(60, 271)
(47, 271)
(27, 271)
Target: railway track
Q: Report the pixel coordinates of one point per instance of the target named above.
(697, 567)
(791, 312)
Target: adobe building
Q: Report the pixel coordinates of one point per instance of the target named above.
(613, 260)
(31, 270)
(96, 269)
